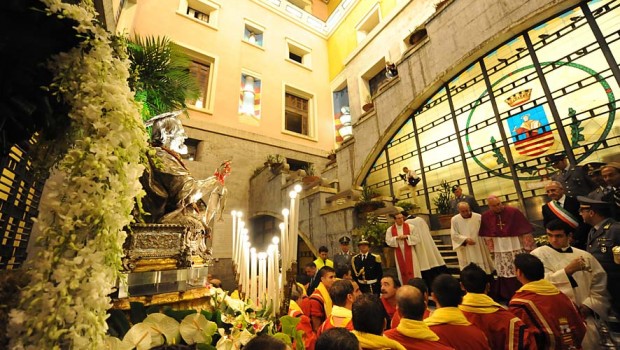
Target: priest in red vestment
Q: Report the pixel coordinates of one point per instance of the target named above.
(549, 314)
(503, 329)
(507, 233)
(403, 237)
(412, 332)
(448, 322)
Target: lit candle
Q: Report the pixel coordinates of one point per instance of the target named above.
(253, 286)
(246, 265)
(298, 189)
(292, 236)
(262, 280)
(240, 231)
(274, 285)
(234, 239)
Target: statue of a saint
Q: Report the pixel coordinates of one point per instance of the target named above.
(173, 196)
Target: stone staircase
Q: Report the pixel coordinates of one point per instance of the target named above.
(449, 256)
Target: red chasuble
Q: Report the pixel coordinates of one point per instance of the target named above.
(509, 223)
(413, 343)
(461, 337)
(405, 261)
(503, 329)
(553, 319)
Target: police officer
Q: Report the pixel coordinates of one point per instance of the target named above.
(594, 172)
(343, 258)
(575, 180)
(604, 236)
(367, 271)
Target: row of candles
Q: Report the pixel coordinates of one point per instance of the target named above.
(258, 273)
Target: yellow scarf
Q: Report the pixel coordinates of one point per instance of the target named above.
(327, 301)
(372, 341)
(341, 312)
(479, 304)
(542, 287)
(294, 306)
(450, 315)
(416, 329)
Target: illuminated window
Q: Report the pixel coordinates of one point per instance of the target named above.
(253, 33)
(202, 73)
(204, 11)
(298, 53)
(490, 127)
(297, 112)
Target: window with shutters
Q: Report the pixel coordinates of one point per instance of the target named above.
(202, 72)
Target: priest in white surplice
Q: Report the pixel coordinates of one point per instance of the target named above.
(577, 274)
(469, 247)
(403, 237)
(430, 260)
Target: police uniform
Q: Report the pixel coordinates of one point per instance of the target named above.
(367, 271)
(342, 258)
(601, 240)
(575, 180)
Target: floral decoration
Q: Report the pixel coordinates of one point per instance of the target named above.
(89, 197)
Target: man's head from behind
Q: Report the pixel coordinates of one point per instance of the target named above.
(337, 339)
(446, 291)
(410, 302)
(341, 293)
(474, 279)
(529, 268)
(419, 283)
(366, 309)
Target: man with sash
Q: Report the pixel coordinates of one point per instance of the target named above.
(403, 237)
(448, 322)
(429, 259)
(294, 310)
(507, 233)
(342, 295)
(549, 314)
(367, 327)
(578, 275)
(412, 332)
(318, 306)
(603, 238)
(503, 329)
(566, 209)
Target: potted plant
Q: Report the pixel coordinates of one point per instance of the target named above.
(372, 230)
(442, 201)
(368, 106)
(332, 156)
(406, 206)
(367, 203)
(311, 179)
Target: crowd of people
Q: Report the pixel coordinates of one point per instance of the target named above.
(511, 294)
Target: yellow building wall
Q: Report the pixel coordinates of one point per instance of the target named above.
(232, 55)
(343, 40)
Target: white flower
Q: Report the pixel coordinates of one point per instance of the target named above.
(195, 328)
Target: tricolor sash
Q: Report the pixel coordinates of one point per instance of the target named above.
(562, 214)
(405, 261)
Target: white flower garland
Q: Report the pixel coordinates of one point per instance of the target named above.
(83, 214)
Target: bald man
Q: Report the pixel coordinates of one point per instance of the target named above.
(566, 209)
(507, 233)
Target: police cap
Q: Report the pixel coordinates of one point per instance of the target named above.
(344, 240)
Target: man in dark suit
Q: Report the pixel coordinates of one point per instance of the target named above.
(574, 178)
(602, 240)
(566, 209)
(367, 270)
(611, 174)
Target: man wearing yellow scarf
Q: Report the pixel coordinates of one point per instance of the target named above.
(411, 331)
(368, 327)
(503, 329)
(448, 322)
(551, 315)
(319, 305)
(342, 295)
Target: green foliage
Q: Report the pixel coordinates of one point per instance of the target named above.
(160, 75)
(275, 159)
(372, 230)
(289, 330)
(442, 201)
(406, 206)
(310, 170)
(368, 194)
